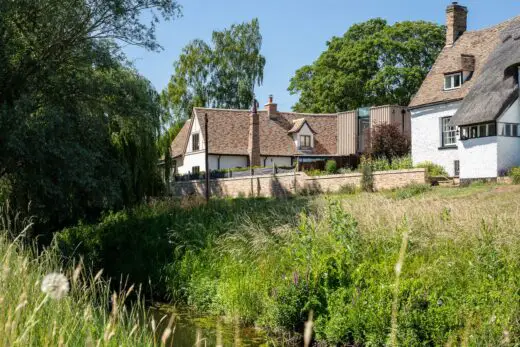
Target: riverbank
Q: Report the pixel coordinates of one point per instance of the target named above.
(269, 262)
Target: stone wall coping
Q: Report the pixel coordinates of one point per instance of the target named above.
(357, 174)
(305, 176)
(288, 174)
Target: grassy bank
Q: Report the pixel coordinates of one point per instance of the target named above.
(81, 311)
(435, 267)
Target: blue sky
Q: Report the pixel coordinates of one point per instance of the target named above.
(295, 31)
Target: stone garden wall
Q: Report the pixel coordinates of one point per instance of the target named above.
(281, 185)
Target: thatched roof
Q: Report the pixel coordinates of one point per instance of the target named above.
(497, 87)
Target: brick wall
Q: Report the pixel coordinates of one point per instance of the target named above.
(288, 184)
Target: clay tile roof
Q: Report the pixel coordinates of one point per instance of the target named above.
(496, 87)
(298, 123)
(180, 141)
(478, 44)
(228, 132)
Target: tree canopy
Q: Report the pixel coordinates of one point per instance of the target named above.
(372, 64)
(222, 73)
(78, 125)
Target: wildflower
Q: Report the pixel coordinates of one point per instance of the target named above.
(55, 285)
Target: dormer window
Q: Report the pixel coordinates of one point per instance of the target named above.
(305, 141)
(452, 81)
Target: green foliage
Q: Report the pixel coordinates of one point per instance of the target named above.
(514, 173)
(78, 126)
(222, 74)
(388, 141)
(367, 178)
(400, 163)
(331, 167)
(348, 189)
(410, 190)
(315, 172)
(432, 170)
(373, 63)
(269, 262)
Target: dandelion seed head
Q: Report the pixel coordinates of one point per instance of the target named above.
(398, 267)
(55, 285)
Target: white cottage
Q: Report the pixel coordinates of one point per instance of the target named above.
(466, 114)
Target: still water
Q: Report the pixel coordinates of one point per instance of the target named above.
(195, 330)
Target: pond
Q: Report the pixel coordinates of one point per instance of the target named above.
(196, 330)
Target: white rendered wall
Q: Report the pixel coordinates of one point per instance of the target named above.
(197, 159)
(194, 130)
(227, 161)
(508, 153)
(478, 157)
(509, 147)
(426, 136)
(191, 160)
(512, 114)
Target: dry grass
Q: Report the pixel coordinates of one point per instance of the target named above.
(454, 214)
(88, 315)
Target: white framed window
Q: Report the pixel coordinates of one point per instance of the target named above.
(509, 129)
(452, 81)
(195, 139)
(305, 141)
(480, 130)
(448, 133)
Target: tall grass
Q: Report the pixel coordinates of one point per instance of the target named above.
(271, 262)
(458, 284)
(89, 315)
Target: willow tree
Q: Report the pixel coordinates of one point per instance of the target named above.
(78, 127)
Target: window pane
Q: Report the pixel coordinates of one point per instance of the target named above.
(473, 132)
(515, 130)
(448, 132)
(508, 129)
(482, 130)
(456, 79)
(464, 135)
(492, 129)
(195, 142)
(447, 82)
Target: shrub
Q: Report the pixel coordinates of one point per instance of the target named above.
(345, 170)
(432, 170)
(348, 189)
(331, 167)
(410, 190)
(515, 175)
(314, 172)
(388, 141)
(383, 164)
(367, 178)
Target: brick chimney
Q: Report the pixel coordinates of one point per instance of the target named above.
(253, 147)
(271, 108)
(456, 22)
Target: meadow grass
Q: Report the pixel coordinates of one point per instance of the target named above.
(415, 266)
(457, 282)
(90, 314)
